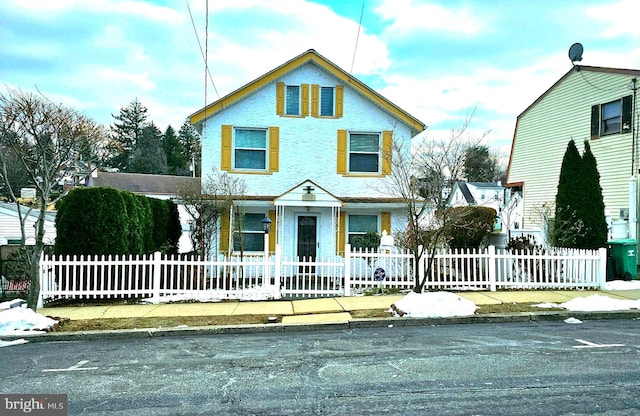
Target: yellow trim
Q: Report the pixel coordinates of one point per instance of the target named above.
(339, 100)
(315, 99)
(224, 232)
(385, 222)
(341, 232)
(272, 232)
(387, 143)
(342, 152)
(226, 146)
(274, 148)
(317, 59)
(280, 98)
(305, 100)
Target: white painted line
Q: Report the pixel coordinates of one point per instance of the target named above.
(588, 344)
(77, 367)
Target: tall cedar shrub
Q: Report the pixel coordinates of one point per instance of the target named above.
(146, 221)
(592, 205)
(134, 232)
(160, 215)
(91, 221)
(469, 226)
(174, 228)
(567, 226)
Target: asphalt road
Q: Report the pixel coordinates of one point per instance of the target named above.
(548, 368)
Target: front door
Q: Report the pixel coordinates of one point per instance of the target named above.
(307, 236)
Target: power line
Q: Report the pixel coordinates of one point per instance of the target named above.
(357, 38)
(202, 53)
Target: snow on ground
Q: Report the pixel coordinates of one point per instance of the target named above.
(434, 305)
(595, 303)
(17, 319)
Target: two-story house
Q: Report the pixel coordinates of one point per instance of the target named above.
(308, 139)
(587, 103)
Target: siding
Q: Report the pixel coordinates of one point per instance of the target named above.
(544, 130)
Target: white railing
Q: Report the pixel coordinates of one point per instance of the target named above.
(254, 277)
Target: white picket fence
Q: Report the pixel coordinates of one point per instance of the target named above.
(256, 277)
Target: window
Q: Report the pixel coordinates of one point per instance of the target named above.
(250, 149)
(360, 225)
(364, 152)
(611, 118)
(326, 101)
(292, 100)
(251, 236)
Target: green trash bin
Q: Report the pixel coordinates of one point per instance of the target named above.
(623, 253)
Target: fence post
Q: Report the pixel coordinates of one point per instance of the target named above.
(42, 285)
(602, 268)
(156, 277)
(276, 273)
(492, 268)
(420, 267)
(347, 269)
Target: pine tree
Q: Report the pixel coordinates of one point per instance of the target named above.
(568, 226)
(190, 141)
(592, 206)
(479, 165)
(148, 156)
(176, 158)
(126, 131)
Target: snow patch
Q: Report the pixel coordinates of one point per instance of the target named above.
(17, 319)
(572, 321)
(600, 303)
(433, 305)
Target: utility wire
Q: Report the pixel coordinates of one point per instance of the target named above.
(195, 31)
(357, 38)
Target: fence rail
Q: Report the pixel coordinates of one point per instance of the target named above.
(256, 277)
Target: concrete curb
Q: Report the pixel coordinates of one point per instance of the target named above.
(351, 324)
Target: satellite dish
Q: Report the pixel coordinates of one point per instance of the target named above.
(575, 52)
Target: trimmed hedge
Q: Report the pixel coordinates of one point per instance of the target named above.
(108, 221)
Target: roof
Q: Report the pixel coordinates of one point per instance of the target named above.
(578, 68)
(140, 183)
(319, 60)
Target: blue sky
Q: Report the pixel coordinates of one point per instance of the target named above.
(438, 60)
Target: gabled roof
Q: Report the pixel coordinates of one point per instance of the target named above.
(140, 183)
(307, 193)
(578, 68)
(319, 60)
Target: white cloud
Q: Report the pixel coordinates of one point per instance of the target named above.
(410, 16)
(621, 17)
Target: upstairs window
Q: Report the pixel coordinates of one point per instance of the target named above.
(250, 149)
(327, 103)
(364, 152)
(292, 100)
(611, 118)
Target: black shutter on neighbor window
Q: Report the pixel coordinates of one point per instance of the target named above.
(595, 121)
(626, 113)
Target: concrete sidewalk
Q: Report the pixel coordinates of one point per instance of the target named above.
(320, 310)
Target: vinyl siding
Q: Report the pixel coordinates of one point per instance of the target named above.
(544, 130)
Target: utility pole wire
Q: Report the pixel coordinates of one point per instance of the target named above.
(202, 53)
(357, 37)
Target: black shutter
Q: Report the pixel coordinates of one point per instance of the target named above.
(595, 121)
(627, 102)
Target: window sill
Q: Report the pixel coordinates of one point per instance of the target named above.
(251, 172)
(364, 175)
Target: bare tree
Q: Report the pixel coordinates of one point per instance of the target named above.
(43, 136)
(218, 194)
(422, 177)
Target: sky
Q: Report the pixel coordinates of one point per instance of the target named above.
(443, 61)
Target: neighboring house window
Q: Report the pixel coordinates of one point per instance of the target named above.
(292, 100)
(364, 152)
(250, 237)
(250, 149)
(327, 101)
(611, 118)
(360, 225)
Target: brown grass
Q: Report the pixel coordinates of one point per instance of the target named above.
(196, 321)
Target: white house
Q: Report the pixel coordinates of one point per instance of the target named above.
(491, 195)
(587, 103)
(308, 140)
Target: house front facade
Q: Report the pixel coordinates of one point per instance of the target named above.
(591, 104)
(309, 142)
